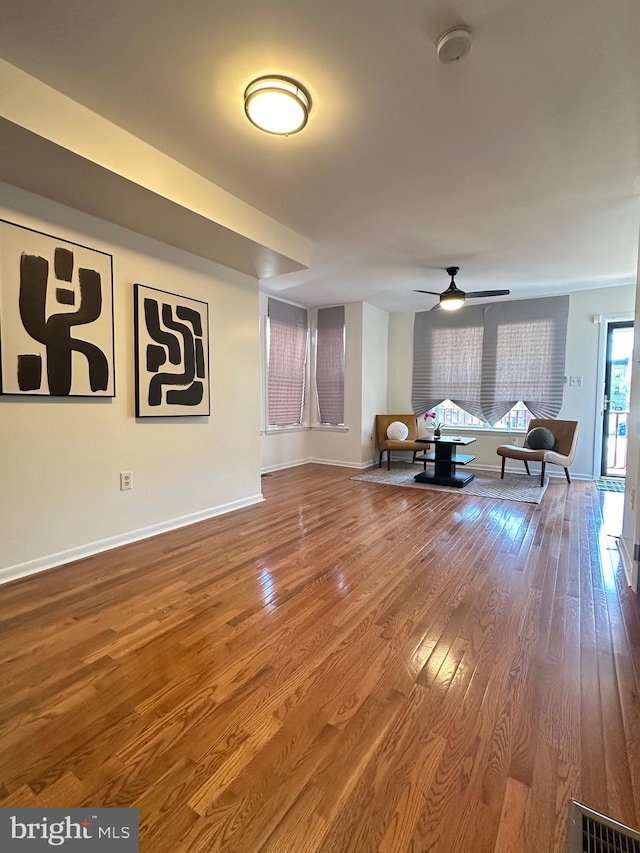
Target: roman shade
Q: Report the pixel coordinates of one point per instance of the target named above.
(286, 364)
(488, 358)
(330, 365)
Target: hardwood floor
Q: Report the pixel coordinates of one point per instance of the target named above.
(345, 667)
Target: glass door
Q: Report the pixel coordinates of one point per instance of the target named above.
(617, 381)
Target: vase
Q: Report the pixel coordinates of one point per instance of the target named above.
(437, 433)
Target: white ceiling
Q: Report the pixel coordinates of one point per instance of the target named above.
(520, 164)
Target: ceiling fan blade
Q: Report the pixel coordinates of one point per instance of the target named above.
(430, 292)
(478, 294)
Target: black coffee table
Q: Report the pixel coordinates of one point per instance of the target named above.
(445, 458)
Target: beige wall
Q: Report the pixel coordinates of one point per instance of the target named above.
(582, 359)
(61, 458)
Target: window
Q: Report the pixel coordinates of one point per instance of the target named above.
(498, 364)
(516, 418)
(286, 363)
(330, 358)
(451, 415)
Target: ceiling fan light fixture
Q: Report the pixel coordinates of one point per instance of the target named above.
(278, 105)
(451, 300)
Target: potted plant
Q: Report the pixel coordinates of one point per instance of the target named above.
(436, 424)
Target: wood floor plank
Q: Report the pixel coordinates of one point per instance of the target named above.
(510, 837)
(343, 667)
(301, 830)
(397, 774)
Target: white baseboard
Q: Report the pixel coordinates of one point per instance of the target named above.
(282, 466)
(312, 460)
(627, 561)
(32, 567)
(340, 464)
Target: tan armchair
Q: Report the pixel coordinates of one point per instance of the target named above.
(562, 453)
(388, 444)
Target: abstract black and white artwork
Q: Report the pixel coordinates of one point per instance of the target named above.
(56, 316)
(172, 354)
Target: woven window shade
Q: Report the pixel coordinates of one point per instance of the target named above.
(447, 360)
(486, 359)
(330, 361)
(523, 356)
(286, 372)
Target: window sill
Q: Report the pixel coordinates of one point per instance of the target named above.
(329, 428)
(275, 430)
(479, 430)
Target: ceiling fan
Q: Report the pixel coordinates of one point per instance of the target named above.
(452, 298)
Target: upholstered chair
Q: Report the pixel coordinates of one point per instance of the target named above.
(384, 443)
(563, 451)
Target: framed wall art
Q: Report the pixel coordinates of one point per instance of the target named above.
(56, 316)
(171, 354)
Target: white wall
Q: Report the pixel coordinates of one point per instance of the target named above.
(365, 396)
(284, 448)
(631, 515)
(375, 349)
(582, 358)
(58, 125)
(335, 446)
(400, 361)
(61, 458)
(631, 511)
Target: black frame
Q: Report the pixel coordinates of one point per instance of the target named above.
(105, 343)
(143, 375)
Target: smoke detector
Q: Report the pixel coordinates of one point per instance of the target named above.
(454, 44)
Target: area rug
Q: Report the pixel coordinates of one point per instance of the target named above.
(486, 484)
(611, 485)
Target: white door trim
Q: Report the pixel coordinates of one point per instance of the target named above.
(603, 320)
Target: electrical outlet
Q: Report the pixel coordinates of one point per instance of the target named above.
(126, 480)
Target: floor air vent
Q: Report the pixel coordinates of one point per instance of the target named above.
(591, 832)
(610, 485)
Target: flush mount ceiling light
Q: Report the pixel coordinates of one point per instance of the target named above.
(277, 105)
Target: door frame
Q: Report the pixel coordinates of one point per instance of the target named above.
(603, 320)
